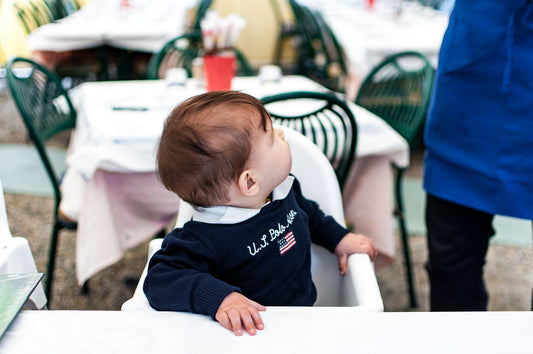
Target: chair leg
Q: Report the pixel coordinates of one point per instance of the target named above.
(85, 290)
(51, 262)
(405, 242)
(408, 264)
(103, 57)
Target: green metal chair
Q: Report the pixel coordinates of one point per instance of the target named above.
(35, 13)
(287, 33)
(178, 52)
(32, 14)
(320, 55)
(83, 65)
(398, 90)
(46, 110)
(181, 51)
(57, 8)
(201, 10)
(325, 119)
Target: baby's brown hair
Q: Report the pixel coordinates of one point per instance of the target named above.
(206, 144)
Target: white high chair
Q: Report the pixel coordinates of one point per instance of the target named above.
(16, 257)
(358, 289)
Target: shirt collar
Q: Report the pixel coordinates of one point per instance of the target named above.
(224, 214)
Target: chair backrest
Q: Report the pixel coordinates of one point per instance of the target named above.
(398, 90)
(32, 13)
(359, 289)
(181, 51)
(321, 57)
(58, 8)
(25, 16)
(201, 10)
(324, 118)
(44, 106)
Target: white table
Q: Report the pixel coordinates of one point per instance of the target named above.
(286, 331)
(119, 202)
(145, 26)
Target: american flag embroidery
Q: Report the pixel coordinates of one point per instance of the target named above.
(286, 242)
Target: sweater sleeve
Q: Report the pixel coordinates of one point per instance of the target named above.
(179, 277)
(325, 230)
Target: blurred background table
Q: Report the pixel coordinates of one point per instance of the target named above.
(119, 202)
(144, 26)
(369, 35)
(110, 39)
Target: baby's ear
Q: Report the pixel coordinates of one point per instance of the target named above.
(248, 183)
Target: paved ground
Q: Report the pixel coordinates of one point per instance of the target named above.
(509, 270)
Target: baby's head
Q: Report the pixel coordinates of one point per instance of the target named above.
(207, 143)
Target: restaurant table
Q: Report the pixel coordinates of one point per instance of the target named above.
(144, 26)
(287, 330)
(369, 35)
(111, 186)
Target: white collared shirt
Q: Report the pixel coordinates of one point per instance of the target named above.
(225, 214)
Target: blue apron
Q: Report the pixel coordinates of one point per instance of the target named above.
(479, 132)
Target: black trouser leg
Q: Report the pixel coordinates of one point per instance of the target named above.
(458, 239)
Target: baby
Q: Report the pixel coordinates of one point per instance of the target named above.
(248, 243)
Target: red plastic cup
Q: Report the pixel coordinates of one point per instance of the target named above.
(219, 70)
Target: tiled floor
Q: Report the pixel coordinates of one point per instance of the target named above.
(509, 231)
(22, 171)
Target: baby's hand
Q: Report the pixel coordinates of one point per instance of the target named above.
(350, 244)
(237, 310)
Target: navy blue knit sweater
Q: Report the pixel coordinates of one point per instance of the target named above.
(266, 258)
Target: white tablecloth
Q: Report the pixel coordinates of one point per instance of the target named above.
(307, 330)
(145, 26)
(119, 122)
(120, 203)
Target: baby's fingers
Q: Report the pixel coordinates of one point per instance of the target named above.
(237, 311)
(223, 319)
(257, 317)
(371, 251)
(256, 305)
(230, 320)
(235, 319)
(343, 264)
(252, 321)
